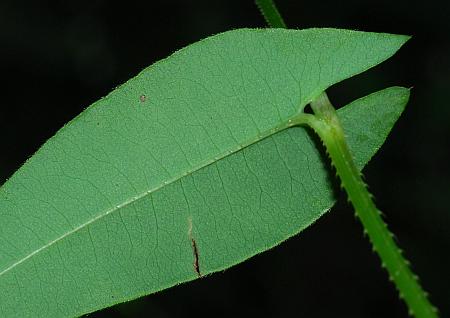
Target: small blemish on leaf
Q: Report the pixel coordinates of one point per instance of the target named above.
(142, 98)
(194, 250)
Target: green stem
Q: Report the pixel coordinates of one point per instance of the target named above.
(326, 124)
(270, 13)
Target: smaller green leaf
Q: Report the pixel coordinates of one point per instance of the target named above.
(370, 119)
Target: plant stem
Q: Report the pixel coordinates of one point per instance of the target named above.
(270, 13)
(326, 124)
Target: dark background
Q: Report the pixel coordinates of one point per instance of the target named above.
(57, 57)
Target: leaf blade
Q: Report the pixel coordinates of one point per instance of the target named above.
(139, 146)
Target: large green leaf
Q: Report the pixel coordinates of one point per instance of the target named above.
(192, 149)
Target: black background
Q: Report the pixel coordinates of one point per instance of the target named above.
(57, 57)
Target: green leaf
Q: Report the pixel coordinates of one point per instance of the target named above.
(196, 148)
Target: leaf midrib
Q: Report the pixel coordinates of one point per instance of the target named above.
(277, 129)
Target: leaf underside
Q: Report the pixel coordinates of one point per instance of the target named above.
(192, 152)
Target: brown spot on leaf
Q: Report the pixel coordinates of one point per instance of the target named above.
(196, 264)
(194, 250)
